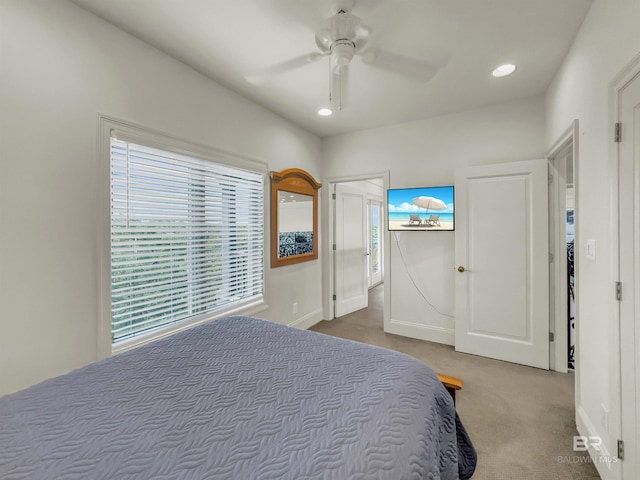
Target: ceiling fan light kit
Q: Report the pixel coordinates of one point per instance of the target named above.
(342, 51)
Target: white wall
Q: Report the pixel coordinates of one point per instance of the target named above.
(59, 67)
(608, 40)
(373, 189)
(425, 153)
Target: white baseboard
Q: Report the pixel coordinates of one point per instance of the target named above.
(422, 332)
(308, 321)
(608, 470)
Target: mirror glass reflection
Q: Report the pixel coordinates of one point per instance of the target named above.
(295, 224)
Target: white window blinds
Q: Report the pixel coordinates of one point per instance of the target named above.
(187, 238)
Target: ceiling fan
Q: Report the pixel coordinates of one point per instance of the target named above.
(342, 37)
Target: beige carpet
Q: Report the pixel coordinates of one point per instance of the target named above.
(520, 419)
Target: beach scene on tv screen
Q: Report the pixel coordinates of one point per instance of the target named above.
(429, 208)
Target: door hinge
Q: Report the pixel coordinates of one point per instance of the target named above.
(551, 258)
(335, 297)
(619, 291)
(333, 196)
(620, 450)
(618, 133)
(334, 246)
(551, 336)
(550, 178)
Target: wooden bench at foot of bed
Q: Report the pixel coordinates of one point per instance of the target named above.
(451, 384)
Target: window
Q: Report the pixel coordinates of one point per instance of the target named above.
(187, 238)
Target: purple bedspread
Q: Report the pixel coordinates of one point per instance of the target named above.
(238, 398)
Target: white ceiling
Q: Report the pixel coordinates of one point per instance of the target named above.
(227, 40)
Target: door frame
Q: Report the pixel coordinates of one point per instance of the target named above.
(558, 269)
(622, 347)
(327, 235)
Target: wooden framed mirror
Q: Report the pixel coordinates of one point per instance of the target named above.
(294, 217)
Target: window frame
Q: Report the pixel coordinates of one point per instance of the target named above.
(108, 127)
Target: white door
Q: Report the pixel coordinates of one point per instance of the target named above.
(351, 282)
(629, 264)
(502, 255)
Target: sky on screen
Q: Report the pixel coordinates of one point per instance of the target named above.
(401, 200)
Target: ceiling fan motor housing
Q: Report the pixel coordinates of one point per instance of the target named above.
(343, 25)
(343, 32)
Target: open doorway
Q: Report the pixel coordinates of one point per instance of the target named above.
(562, 229)
(356, 240)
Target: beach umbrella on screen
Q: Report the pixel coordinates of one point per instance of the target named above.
(429, 203)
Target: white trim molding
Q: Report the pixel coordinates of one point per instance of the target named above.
(559, 350)
(429, 333)
(308, 321)
(624, 348)
(603, 458)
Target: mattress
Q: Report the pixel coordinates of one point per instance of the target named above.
(238, 398)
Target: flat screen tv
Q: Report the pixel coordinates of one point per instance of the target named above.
(421, 209)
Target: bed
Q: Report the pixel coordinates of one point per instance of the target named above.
(238, 398)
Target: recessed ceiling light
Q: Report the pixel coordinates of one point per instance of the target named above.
(325, 112)
(504, 70)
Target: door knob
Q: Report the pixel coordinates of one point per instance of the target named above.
(461, 269)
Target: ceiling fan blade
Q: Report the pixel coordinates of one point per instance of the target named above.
(420, 70)
(362, 37)
(266, 74)
(309, 13)
(367, 7)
